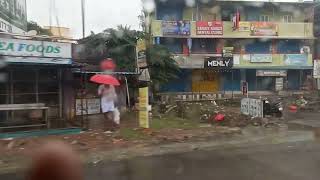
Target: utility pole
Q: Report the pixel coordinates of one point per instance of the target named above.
(83, 18)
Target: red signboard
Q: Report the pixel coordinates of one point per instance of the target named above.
(209, 27)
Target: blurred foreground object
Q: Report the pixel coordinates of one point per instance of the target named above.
(105, 79)
(108, 64)
(55, 161)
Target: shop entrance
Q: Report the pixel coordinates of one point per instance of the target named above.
(28, 85)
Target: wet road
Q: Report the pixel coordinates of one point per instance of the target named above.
(290, 161)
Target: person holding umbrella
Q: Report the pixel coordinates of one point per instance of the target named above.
(108, 97)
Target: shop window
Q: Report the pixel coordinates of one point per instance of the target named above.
(287, 18)
(227, 13)
(208, 17)
(173, 44)
(3, 88)
(288, 47)
(266, 83)
(258, 47)
(52, 87)
(264, 18)
(3, 99)
(26, 74)
(24, 87)
(203, 46)
(194, 14)
(48, 75)
(49, 99)
(24, 98)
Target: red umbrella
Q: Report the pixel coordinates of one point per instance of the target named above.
(105, 79)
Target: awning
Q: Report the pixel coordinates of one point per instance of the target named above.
(37, 60)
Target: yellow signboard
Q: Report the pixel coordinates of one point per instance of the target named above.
(143, 107)
(141, 53)
(144, 119)
(244, 26)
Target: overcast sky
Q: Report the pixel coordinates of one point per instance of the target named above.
(100, 14)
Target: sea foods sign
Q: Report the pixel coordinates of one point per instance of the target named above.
(218, 62)
(17, 47)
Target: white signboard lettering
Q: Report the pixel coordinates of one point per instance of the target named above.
(93, 106)
(17, 47)
(252, 107)
(316, 69)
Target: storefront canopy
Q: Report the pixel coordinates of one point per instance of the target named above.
(37, 60)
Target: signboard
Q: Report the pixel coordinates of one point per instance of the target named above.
(93, 106)
(13, 16)
(261, 58)
(316, 69)
(296, 59)
(227, 51)
(37, 60)
(189, 62)
(180, 28)
(209, 28)
(141, 53)
(264, 29)
(143, 107)
(218, 62)
(252, 107)
(279, 84)
(272, 73)
(17, 47)
(244, 26)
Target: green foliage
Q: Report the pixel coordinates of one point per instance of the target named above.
(34, 26)
(118, 44)
(162, 65)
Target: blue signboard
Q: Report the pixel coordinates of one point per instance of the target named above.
(296, 59)
(181, 28)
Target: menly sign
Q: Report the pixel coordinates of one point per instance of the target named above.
(17, 47)
(218, 62)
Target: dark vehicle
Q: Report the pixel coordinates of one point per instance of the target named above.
(272, 108)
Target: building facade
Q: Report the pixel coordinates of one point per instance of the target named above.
(270, 44)
(13, 16)
(35, 71)
(62, 32)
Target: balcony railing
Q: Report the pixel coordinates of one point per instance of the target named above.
(284, 31)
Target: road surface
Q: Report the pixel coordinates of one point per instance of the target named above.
(289, 161)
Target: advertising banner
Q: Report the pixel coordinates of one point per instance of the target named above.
(316, 69)
(252, 107)
(28, 48)
(209, 27)
(143, 107)
(218, 62)
(141, 53)
(261, 58)
(270, 73)
(176, 28)
(244, 26)
(264, 29)
(88, 106)
(227, 51)
(13, 16)
(296, 59)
